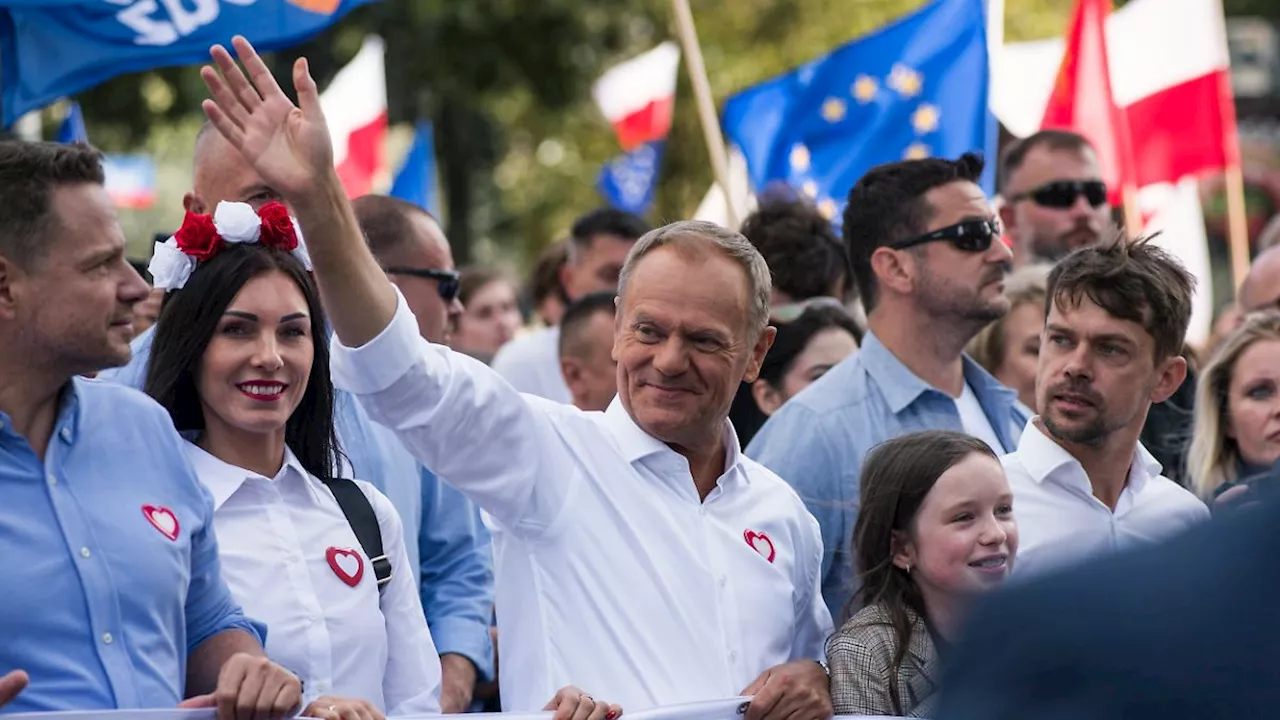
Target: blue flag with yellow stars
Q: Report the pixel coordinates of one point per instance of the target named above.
(915, 88)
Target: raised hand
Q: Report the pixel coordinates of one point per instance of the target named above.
(287, 144)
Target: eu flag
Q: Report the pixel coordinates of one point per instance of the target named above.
(628, 181)
(915, 88)
(416, 181)
(52, 48)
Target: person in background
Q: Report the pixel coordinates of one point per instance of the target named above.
(813, 337)
(803, 252)
(1054, 198)
(586, 351)
(1261, 287)
(114, 596)
(598, 246)
(241, 363)
(146, 312)
(936, 530)
(1269, 237)
(1115, 322)
(546, 289)
(930, 267)
(452, 552)
(490, 313)
(1009, 347)
(1237, 426)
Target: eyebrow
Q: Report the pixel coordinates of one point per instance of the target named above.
(252, 190)
(254, 318)
(1109, 337)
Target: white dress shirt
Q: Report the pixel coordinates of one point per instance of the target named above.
(531, 363)
(611, 574)
(348, 640)
(974, 419)
(1061, 522)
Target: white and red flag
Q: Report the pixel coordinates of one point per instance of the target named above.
(355, 106)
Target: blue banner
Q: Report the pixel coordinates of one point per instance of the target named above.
(53, 48)
(628, 181)
(72, 129)
(915, 88)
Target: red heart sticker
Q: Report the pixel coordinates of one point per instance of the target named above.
(761, 543)
(346, 563)
(162, 519)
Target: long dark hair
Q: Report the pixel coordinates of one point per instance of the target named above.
(896, 477)
(187, 322)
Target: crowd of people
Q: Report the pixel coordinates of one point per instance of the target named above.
(336, 478)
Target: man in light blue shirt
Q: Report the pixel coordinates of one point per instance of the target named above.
(929, 264)
(113, 592)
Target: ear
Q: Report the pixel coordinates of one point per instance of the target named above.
(903, 550)
(767, 398)
(193, 204)
(617, 328)
(895, 270)
(571, 369)
(1008, 218)
(565, 273)
(9, 275)
(1171, 375)
(758, 351)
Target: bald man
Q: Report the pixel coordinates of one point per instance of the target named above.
(1261, 287)
(460, 631)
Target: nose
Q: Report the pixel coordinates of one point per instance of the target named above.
(671, 359)
(1081, 207)
(267, 355)
(1078, 364)
(133, 289)
(455, 308)
(993, 532)
(999, 252)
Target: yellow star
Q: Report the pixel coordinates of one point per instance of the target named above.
(917, 151)
(799, 158)
(827, 208)
(865, 88)
(833, 110)
(925, 118)
(906, 81)
(810, 188)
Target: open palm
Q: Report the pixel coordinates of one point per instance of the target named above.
(287, 145)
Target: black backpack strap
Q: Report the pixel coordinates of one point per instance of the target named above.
(364, 523)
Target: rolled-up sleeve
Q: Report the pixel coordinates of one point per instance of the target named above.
(462, 420)
(209, 608)
(457, 574)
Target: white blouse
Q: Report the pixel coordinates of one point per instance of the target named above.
(293, 562)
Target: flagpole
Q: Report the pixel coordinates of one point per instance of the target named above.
(706, 105)
(1131, 213)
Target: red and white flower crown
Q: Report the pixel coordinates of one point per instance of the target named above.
(203, 236)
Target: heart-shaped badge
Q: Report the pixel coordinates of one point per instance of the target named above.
(346, 563)
(162, 519)
(761, 543)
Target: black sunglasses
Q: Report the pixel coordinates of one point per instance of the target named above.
(1062, 194)
(448, 282)
(970, 236)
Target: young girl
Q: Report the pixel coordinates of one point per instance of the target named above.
(935, 529)
(241, 362)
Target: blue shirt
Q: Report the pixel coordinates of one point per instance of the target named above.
(817, 440)
(453, 548)
(457, 574)
(107, 550)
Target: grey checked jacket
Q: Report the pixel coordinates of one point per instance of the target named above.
(859, 656)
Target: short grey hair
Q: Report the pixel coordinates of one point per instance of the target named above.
(732, 245)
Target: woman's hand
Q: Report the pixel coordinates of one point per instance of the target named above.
(572, 703)
(328, 707)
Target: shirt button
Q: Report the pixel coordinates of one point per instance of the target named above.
(84, 552)
(733, 656)
(52, 480)
(723, 579)
(107, 639)
(66, 434)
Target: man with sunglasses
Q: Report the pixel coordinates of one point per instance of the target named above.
(1055, 199)
(928, 262)
(453, 548)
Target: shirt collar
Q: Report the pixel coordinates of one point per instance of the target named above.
(636, 444)
(67, 424)
(898, 384)
(1041, 457)
(223, 479)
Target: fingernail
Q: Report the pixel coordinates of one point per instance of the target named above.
(610, 715)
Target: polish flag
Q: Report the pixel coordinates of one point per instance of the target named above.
(355, 106)
(1169, 71)
(637, 96)
(1082, 99)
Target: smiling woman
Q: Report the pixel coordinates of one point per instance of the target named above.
(241, 362)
